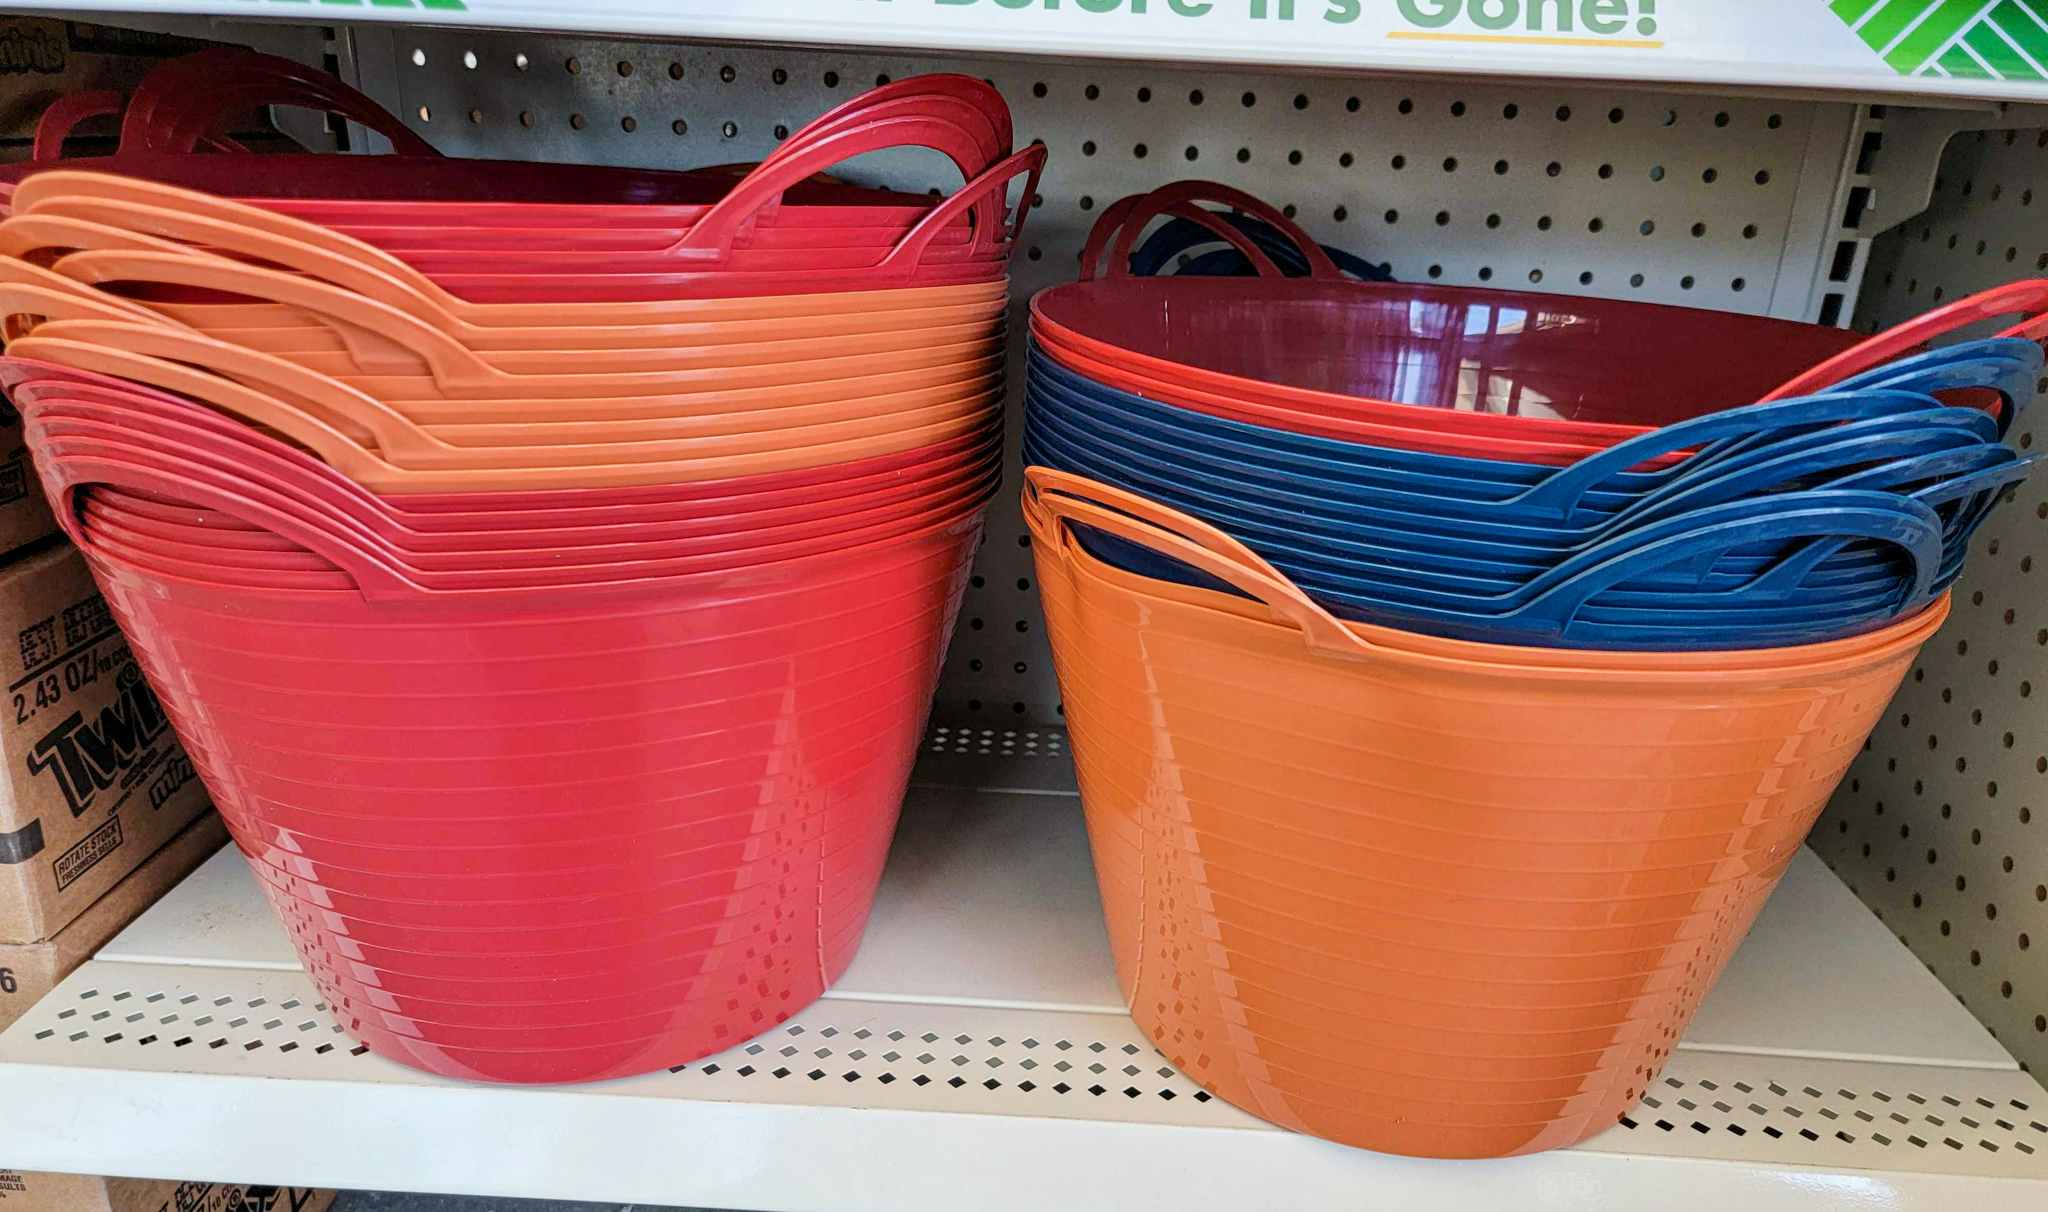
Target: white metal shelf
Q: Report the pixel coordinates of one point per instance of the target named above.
(978, 1045)
(1931, 48)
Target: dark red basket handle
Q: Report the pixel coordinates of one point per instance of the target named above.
(185, 100)
(715, 235)
(1165, 198)
(64, 115)
(1103, 234)
(973, 103)
(990, 189)
(69, 465)
(1120, 257)
(2028, 298)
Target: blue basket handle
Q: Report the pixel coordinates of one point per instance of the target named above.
(2011, 366)
(1823, 515)
(2006, 365)
(1843, 446)
(1958, 475)
(1560, 494)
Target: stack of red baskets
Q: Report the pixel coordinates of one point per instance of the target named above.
(550, 594)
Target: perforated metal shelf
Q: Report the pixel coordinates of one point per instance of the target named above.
(978, 1053)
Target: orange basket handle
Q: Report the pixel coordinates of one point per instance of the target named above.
(326, 417)
(450, 361)
(2028, 298)
(188, 215)
(1061, 497)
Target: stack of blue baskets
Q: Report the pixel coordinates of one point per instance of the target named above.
(1748, 525)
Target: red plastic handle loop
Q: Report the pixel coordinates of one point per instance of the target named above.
(725, 225)
(977, 95)
(2028, 298)
(1120, 257)
(64, 116)
(1060, 498)
(61, 120)
(1167, 198)
(185, 100)
(68, 473)
(973, 199)
(1104, 233)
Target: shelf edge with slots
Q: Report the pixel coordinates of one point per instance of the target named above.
(1735, 44)
(979, 1044)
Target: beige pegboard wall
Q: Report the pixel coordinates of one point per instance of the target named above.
(1942, 826)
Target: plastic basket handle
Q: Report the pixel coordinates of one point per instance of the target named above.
(2029, 298)
(1981, 472)
(159, 357)
(1559, 495)
(1832, 449)
(980, 95)
(2005, 365)
(1171, 198)
(1698, 539)
(1103, 233)
(26, 307)
(991, 188)
(63, 116)
(1181, 234)
(67, 474)
(974, 148)
(1178, 236)
(715, 235)
(1062, 497)
(453, 365)
(165, 210)
(23, 274)
(1121, 263)
(186, 99)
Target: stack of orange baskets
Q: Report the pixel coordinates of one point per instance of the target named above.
(1422, 895)
(558, 660)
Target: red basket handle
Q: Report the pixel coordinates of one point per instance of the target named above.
(64, 115)
(1061, 497)
(726, 224)
(1120, 257)
(184, 100)
(990, 187)
(1168, 198)
(979, 96)
(2028, 298)
(1104, 232)
(81, 463)
(60, 121)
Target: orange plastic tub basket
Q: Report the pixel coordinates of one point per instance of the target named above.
(1412, 894)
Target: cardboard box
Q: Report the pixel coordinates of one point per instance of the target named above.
(31, 1192)
(30, 970)
(24, 511)
(42, 59)
(93, 781)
